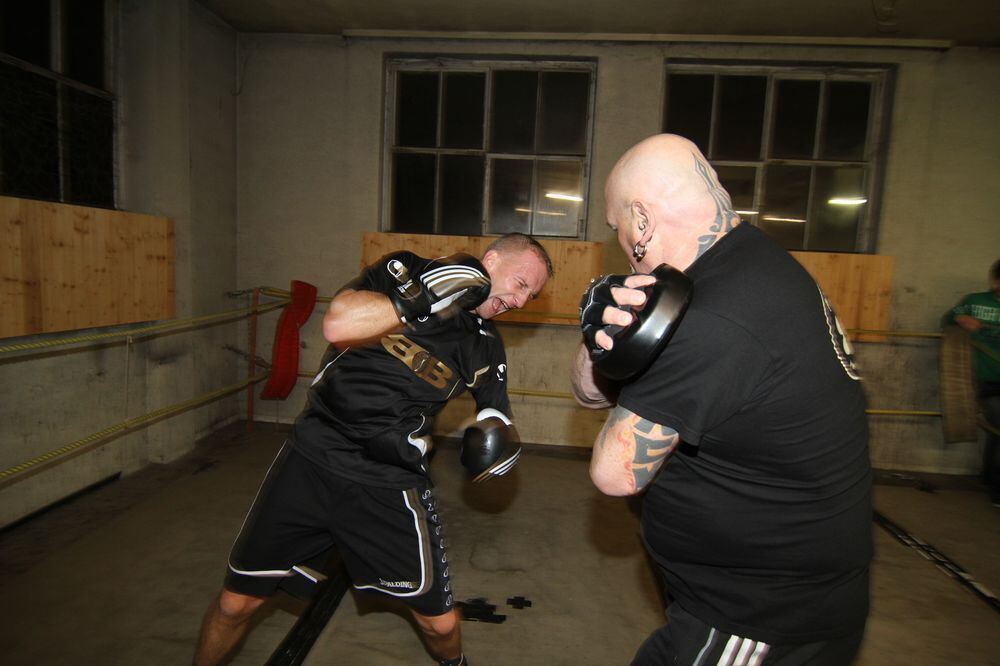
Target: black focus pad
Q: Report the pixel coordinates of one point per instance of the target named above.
(638, 345)
(489, 448)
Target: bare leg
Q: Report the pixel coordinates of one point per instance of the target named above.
(226, 622)
(442, 633)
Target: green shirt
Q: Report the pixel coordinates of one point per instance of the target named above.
(984, 306)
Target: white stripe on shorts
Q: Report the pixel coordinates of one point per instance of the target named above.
(426, 570)
(267, 573)
(741, 652)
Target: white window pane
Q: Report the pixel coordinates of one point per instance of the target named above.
(786, 199)
(558, 199)
(510, 201)
(839, 202)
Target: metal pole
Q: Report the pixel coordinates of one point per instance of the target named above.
(251, 364)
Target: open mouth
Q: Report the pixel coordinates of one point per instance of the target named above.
(500, 306)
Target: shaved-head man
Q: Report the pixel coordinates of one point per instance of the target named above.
(747, 432)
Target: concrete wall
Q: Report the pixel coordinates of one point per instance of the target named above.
(177, 143)
(310, 142)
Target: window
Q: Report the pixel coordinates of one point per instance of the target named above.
(57, 114)
(476, 147)
(796, 147)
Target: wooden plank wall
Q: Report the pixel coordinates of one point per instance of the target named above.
(858, 285)
(65, 267)
(575, 262)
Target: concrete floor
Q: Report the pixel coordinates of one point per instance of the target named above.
(122, 574)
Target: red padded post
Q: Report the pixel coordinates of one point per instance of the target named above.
(285, 353)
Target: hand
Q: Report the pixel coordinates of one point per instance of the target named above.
(969, 323)
(606, 307)
(456, 282)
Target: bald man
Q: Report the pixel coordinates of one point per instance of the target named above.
(747, 432)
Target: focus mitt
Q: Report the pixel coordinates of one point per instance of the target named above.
(637, 345)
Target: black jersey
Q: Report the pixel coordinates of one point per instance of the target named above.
(369, 406)
(761, 519)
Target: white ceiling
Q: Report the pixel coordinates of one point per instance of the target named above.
(971, 22)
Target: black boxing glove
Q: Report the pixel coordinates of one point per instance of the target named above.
(456, 282)
(490, 446)
(595, 299)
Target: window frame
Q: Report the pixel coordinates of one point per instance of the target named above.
(880, 76)
(394, 64)
(57, 65)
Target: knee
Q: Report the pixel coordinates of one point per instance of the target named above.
(438, 626)
(235, 608)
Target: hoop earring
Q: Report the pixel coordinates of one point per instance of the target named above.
(639, 251)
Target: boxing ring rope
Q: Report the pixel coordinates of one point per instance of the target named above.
(569, 396)
(27, 468)
(140, 331)
(564, 395)
(561, 395)
(23, 470)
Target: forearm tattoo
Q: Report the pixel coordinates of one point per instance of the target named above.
(725, 217)
(640, 446)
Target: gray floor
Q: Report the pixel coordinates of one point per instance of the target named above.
(122, 574)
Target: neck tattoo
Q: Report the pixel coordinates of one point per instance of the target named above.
(726, 218)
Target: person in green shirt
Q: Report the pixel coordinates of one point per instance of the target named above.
(979, 313)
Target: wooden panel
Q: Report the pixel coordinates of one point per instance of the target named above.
(575, 263)
(858, 285)
(67, 267)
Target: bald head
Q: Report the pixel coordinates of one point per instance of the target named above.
(666, 188)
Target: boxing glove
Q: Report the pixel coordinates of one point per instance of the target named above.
(456, 282)
(490, 446)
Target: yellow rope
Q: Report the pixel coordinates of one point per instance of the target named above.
(894, 334)
(569, 396)
(140, 330)
(562, 395)
(284, 293)
(11, 474)
(901, 412)
(6, 476)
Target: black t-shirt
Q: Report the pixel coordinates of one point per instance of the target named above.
(369, 405)
(761, 519)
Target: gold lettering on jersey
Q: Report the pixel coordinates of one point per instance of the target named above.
(419, 360)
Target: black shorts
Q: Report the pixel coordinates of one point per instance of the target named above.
(686, 640)
(390, 540)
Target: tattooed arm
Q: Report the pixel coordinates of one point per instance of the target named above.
(628, 452)
(588, 388)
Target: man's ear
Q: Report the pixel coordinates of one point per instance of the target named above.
(644, 220)
(490, 259)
